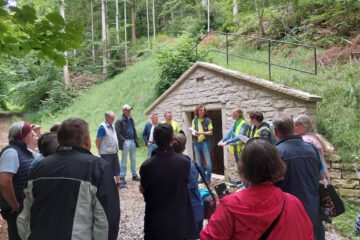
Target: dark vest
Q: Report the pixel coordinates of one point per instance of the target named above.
(21, 177)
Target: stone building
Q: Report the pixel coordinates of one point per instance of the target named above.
(221, 90)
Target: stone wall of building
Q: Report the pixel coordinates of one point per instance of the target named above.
(225, 92)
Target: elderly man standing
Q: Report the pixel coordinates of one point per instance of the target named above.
(107, 144)
(71, 194)
(302, 170)
(128, 141)
(15, 163)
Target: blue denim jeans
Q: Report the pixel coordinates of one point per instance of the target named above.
(202, 149)
(151, 148)
(128, 148)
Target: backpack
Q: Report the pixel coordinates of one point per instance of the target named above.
(273, 140)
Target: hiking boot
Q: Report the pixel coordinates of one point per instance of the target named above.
(136, 178)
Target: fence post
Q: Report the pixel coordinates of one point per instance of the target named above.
(269, 55)
(196, 51)
(227, 50)
(315, 59)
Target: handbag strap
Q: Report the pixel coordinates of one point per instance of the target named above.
(269, 230)
(205, 182)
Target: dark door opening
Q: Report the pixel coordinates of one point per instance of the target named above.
(217, 153)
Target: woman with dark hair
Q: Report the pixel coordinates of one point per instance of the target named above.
(164, 179)
(262, 210)
(178, 144)
(202, 129)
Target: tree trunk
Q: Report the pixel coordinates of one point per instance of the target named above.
(66, 67)
(125, 35)
(103, 37)
(133, 30)
(108, 37)
(154, 24)
(260, 14)
(92, 31)
(117, 21)
(75, 63)
(147, 22)
(208, 16)
(235, 11)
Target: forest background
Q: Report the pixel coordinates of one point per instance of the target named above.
(51, 68)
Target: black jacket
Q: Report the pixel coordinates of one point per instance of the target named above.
(70, 195)
(121, 126)
(168, 210)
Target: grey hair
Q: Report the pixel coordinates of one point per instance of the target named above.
(284, 124)
(305, 121)
(15, 130)
(109, 113)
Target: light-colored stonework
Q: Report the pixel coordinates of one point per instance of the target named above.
(222, 89)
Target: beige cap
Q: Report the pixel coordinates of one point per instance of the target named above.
(127, 107)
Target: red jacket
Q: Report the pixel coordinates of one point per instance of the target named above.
(248, 214)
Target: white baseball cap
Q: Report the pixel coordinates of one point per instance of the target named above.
(127, 107)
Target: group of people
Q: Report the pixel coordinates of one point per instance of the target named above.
(65, 192)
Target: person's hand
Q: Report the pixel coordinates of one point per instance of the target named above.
(15, 208)
(141, 189)
(148, 144)
(221, 144)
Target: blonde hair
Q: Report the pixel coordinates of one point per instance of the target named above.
(239, 112)
(327, 147)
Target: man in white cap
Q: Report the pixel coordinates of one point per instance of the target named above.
(127, 138)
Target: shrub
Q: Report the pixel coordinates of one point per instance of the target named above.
(174, 60)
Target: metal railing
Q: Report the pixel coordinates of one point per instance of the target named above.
(270, 44)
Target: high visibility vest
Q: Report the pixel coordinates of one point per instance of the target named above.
(258, 131)
(239, 145)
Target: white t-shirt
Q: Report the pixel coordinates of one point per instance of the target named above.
(9, 161)
(151, 137)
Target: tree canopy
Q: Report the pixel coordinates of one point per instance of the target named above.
(21, 31)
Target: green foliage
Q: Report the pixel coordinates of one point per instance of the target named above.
(22, 31)
(174, 59)
(34, 85)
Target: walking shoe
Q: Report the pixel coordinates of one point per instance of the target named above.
(122, 184)
(136, 178)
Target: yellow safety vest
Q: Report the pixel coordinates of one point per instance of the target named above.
(239, 144)
(258, 130)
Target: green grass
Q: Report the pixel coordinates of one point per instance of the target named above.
(345, 222)
(135, 86)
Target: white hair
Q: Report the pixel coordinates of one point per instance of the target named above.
(15, 130)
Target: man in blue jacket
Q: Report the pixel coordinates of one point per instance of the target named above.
(303, 167)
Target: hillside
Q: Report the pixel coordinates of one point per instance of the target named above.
(135, 86)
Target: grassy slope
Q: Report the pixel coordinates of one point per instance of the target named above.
(134, 86)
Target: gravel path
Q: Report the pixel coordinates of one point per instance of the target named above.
(132, 216)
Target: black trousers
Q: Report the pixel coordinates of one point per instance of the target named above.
(11, 222)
